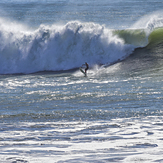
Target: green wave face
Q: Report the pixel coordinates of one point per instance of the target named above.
(156, 37)
(139, 37)
(136, 37)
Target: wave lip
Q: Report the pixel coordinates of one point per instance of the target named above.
(55, 48)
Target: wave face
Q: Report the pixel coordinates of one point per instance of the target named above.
(64, 47)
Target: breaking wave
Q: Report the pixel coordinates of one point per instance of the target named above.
(64, 47)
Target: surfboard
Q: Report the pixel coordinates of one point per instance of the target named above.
(82, 71)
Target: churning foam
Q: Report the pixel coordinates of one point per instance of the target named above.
(54, 48)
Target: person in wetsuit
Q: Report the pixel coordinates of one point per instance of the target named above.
(87, 67)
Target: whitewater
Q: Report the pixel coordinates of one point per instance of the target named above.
(50, 112)
(54, 48)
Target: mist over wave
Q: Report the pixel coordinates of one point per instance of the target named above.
(64, 47)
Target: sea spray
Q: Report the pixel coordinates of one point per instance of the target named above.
(149, 22)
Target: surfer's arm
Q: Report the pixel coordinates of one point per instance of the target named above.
(83, 66)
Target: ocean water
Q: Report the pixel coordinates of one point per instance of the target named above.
(50, 112)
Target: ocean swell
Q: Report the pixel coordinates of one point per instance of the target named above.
(58, 47)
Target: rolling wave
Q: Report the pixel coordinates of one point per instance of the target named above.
(64, 47)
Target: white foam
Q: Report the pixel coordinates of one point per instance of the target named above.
(58, 47)
(122, 140)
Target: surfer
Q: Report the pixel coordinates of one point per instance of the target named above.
(87, 67)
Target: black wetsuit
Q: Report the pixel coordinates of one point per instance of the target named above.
(87, 67)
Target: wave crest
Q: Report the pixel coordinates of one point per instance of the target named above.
(54, 48)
